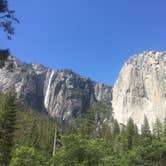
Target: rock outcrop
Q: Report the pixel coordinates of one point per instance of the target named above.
(140, 89)
(62, 93)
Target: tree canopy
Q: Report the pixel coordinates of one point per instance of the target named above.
(7, 18)
(28, 138)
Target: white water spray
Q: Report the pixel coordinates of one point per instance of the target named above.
(47, 95)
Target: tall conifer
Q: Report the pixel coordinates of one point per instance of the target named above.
(7, 126)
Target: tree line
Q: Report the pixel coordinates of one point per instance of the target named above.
(31, 138)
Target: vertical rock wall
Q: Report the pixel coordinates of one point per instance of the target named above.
(140, 89)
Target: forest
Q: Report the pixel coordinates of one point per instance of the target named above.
(31, 138)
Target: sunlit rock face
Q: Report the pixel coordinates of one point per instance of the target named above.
(68, 95)
(140, 89)
(61, 93)
(26, 79)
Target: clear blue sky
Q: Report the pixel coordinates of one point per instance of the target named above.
(92, 37)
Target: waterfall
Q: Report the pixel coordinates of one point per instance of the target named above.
(47, 95)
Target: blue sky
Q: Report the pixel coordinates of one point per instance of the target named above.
(92, 37)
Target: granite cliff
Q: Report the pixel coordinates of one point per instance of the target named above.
(61, 93)
(140, 89)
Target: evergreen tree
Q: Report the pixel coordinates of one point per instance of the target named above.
(164, 128)
(88, 125)
(116, 128)
(136, 129)
(105, 132)
(7, 18)
(95, 120)
(7, 126)
(157, 129)
(35, 130)
(4, 54)
(34, 135)
(130, 132)
(27, 156)
(79, 151)
(145, 129)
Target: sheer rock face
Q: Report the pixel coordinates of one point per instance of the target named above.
(141, 89)
(63, 94)
(103, 93)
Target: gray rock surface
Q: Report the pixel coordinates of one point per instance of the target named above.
(140, 89)
(62, 93)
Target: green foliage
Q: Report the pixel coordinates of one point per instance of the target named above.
(116, 128)
(145, 129)
(89, 141)
(4, 55)
(152, 154)
(88, 124)
(7, 126)
(164, 128)
(7, 18)
(130, 133)
(77, 150)
(157, 129)
(94, 121)
(35, 130)
(26, 156)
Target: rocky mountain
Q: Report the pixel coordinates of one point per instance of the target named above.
(61, 93)
(140, 89)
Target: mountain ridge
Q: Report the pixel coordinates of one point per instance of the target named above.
(62, 93)
(140, 89)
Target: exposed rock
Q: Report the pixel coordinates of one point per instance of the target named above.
(141, 89)
(103, 93)
(62, 93)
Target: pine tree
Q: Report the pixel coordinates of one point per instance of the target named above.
(7, 126)
(164, 128)
(7, 18)
(145, 129)
(116, 128)
(157, 129)
(34, 136)
(130, 132)
(88, 124)
(136, 129)
(106, 131)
